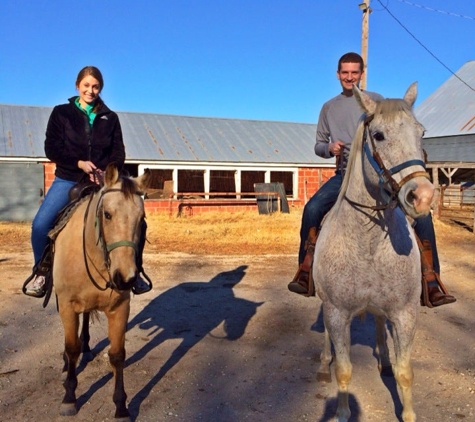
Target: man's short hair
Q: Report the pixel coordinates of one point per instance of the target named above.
(351, 58)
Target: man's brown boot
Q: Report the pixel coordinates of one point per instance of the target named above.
(302, 283)
(434, 292)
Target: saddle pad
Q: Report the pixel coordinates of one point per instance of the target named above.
(64, 215)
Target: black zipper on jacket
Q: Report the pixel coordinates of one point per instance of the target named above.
(88, 128)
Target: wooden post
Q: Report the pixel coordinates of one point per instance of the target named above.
(364, 40)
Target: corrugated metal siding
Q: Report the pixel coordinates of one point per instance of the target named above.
(156, 137)
(21, 190)
(450, 149)
(450, 110)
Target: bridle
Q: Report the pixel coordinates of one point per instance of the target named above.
(106, 248)
(389, 187)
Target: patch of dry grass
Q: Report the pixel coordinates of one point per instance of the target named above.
(211, 233)
(221, 233)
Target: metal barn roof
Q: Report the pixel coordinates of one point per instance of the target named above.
(450, 110)
(156, 137)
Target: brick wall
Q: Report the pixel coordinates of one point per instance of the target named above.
(175, 207)
(310, 181)
(49, 175)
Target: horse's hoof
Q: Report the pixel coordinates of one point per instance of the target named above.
(68, 409)
(324, 377)
(122, 415)
(387, 371)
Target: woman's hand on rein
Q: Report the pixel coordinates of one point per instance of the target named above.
(88, 167)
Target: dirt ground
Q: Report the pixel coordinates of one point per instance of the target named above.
(221, 339)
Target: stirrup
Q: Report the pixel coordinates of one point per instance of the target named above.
(43, 268)
(301, 286)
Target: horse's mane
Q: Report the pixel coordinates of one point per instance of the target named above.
(128, 186)
(387, 110)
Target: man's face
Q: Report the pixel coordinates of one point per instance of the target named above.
(349, 74)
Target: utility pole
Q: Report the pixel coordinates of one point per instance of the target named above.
(364, 7)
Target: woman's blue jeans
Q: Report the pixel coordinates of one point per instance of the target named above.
(324, 199)
(55, 200)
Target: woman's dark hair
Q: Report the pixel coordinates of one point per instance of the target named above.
(95, 73)
(351, 58)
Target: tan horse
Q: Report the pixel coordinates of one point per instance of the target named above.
(366, 257)
(94, 269)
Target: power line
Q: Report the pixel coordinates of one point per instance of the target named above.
(436, 10)
(423, 46)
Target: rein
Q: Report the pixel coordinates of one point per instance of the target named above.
(386, 175)
(106, 248)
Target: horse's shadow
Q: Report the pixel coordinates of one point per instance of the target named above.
(189, 311)
(363, 332)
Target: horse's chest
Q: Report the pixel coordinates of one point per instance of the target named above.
(362, 254)
(100, 301)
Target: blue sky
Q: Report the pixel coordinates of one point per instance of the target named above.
(249, 59)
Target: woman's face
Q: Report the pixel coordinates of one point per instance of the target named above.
(89, 89)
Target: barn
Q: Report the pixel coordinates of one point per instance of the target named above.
(448, 116)
(204, 162)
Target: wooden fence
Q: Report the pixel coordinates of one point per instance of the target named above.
(457, 203)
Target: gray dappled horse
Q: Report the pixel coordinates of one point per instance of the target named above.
(366, 256)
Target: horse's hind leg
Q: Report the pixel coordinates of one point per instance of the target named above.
(324, 373)
(72, 350)
(404, 331)
(87, 355)
(117, 328)
(384, 363)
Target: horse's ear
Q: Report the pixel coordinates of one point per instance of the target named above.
(367, 104)
(411, 94)
(112, 175)
(143, 181)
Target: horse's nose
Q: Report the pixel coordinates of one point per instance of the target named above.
(419, 195)
(122, 282)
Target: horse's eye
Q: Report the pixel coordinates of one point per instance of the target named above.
(107, 215)
(378, 136)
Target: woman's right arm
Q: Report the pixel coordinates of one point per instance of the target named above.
(57, 148)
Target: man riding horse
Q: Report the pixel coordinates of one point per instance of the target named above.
(336, 127)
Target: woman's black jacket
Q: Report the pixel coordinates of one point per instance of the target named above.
(70, 138)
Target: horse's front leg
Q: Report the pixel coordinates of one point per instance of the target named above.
(117, 328)
(404, 332)
(72, 350)
(85, 348)
(338, 325)
(324, 372)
